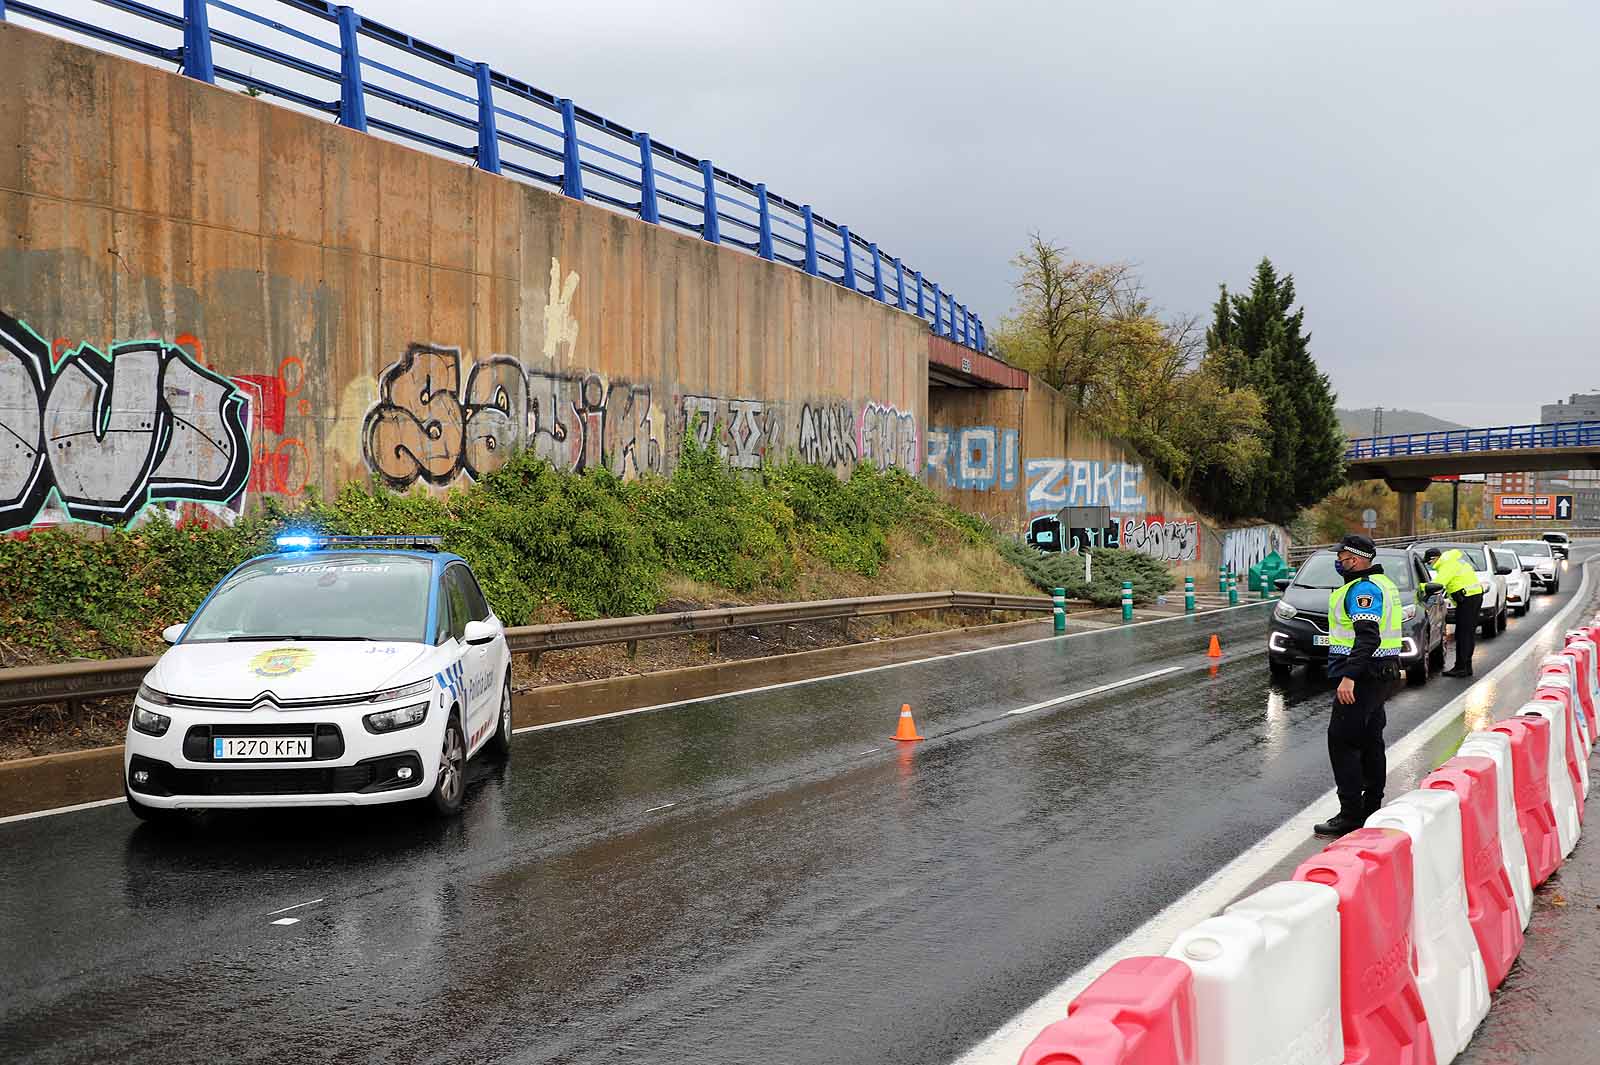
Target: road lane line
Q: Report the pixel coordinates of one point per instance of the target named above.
(1210, 896)
(60, 810)
(286, 909)
(1093, 691)
(872, 750)
(654, 809)
(874, 669)
(287, 920)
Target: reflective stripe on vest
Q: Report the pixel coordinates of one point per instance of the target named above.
(1342, 628)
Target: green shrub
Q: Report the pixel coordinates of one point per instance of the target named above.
(1111, 566)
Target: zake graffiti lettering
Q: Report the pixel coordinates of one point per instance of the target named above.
(110, 433)
(1057, 483)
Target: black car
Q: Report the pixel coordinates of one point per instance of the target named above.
(1560, 543)
(1298, 634)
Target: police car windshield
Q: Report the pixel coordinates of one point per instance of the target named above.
(1529, 548)
(363, 595)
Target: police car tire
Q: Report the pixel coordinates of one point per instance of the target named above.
(1436, 657)
(153, 815)
(447, 804)
(1500, 622)
(1555, 586)
(499, 744)
(1280, 669)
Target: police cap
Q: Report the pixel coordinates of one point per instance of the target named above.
(1356, 544)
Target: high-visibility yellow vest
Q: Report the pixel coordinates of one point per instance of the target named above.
(1457, 574)
(1390, 619)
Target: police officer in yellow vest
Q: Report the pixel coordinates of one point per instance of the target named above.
(1465, 590)
(1364, 637)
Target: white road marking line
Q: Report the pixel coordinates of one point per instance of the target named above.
(1092, 691)
(1007, 1043)
(287, 920)
(296, 906)
(668, 806)
(59, 810)
(872, 750)
(873, 669)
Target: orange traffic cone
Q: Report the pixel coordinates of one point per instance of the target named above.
(1215, 650)
(908, 726)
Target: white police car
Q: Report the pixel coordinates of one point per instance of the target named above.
(341, 670)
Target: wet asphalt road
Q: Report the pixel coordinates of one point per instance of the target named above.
(811, 894)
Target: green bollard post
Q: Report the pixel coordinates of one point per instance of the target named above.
(1127, 600)
(1060, 598)
(1233, 592)
(1188, 595)
(1222, 579)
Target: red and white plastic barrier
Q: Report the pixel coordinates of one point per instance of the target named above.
(1450, 970)
(1386, 946)
(1496, 747)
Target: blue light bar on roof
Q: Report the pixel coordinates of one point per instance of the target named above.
(305, 542)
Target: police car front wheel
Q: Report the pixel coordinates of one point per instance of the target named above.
(500, 743)
(451, 784)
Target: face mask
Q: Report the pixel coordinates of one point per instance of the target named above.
(1338, 567)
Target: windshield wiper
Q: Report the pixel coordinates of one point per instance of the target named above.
(298, 639)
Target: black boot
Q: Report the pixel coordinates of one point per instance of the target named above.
(1457, 672)
(1339, 824)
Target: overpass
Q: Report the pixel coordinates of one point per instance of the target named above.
(1407, 462)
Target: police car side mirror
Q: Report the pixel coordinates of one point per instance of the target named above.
(1502, 570)
(479, 632)
(1433, 588)
(171, 633)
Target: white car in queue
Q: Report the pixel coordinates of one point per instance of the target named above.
(338, 671)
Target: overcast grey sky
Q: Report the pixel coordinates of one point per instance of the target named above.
(1428, 171)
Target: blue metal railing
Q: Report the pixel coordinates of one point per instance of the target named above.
(466, 109)
(1499, 438)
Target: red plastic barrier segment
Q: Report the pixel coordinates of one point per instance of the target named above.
(1384, 1022)
(1141, 1011)
(1491, 905)
(1585, 650)
(1530, 756)
(1574, 744)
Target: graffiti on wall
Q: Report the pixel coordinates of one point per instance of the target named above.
(978, 457)
(887, 436)
(827, 434)
(1057, 483)
(1159, 537)
(433, 423)
(107, 434)
(1243, 548)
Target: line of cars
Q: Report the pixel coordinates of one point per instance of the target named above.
(1510, 571)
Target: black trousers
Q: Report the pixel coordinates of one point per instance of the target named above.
(1355, 744)
(1468, 608)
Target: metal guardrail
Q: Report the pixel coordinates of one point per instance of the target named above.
(394, 84)
(1461, 536)
(75, 681)
(1456, 441)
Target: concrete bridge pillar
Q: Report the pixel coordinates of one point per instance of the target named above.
(1407, 488)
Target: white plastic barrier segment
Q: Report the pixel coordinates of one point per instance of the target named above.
(1589, 678)
(1562, 798)
(1496, 747)
(1266, 978)
(1578, 722)
(1566, 681)
(1450, 970)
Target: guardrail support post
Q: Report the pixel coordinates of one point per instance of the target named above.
(633, 648)
(922, 310)
(1058, 599)
(352, 90)
(2, 10)
(571, 165)
(877, 272)
(1127, 600)
(1188, 595)
(710, 229)
(848, 278)
(899, 283)
(488, 134)
(197, 42)
(938, 304)
(649, 206)
(764, 241)
(811, 239)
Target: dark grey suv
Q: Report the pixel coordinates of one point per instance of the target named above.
(1298, 634)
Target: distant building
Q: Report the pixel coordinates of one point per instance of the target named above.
(1582, 485)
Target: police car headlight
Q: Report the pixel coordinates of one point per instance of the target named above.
(149, 722)
(1409, 613)
(421, 687)
(1285, 612)
(150, 695)
(393, 720)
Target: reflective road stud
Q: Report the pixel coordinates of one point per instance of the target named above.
(1060, 598)
(1127, 600)
(1188, 595)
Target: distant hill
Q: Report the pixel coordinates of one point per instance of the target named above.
(1359, 422)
